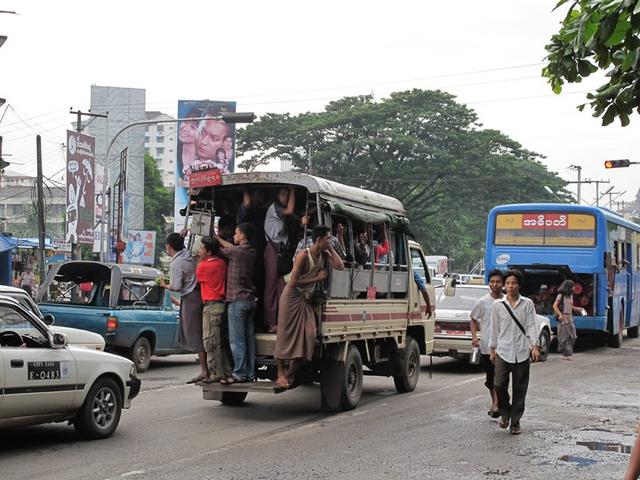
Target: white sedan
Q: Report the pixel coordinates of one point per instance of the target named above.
(75, 336)
(42, 379)
(452, 332)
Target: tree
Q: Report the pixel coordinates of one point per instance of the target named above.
(419, 146)
(599, 35)
(158, 202)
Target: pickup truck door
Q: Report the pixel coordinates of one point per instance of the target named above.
(417, 305)
(168, 328)
(37, 379)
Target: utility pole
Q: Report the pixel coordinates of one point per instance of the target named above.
(578, 168)
(41, 224)
(597, 182)
(76, 252)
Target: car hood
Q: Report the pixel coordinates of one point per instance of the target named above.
(80, 338)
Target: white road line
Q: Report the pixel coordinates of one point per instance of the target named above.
(177, 419)
(446, 387)
(131, 473)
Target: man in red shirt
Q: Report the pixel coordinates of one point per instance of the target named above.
(211, 273)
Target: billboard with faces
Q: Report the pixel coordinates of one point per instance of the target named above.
(201, 145)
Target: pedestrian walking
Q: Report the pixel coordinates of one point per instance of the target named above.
(241, 301)
(212, 275)
(513, 341)
(296, 339)
(183, 281)
(27, 279)
(563, 308)
(481, 321)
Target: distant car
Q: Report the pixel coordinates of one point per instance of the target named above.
(452, 332)
(45, 380)
(75, 336)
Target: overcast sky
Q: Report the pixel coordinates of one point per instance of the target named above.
(295, 56)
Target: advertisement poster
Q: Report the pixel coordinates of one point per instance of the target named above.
(141, 247)
(202, 144)
(80, 188)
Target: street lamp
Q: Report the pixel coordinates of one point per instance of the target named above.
(551, 192)
(226, 117)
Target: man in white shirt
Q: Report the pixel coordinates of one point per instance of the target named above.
(511, 347)
(481, 320)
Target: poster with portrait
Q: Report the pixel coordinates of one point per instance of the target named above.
(201, 145)
(141, 247)
(80, 187)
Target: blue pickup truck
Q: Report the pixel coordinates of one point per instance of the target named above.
(123, 303)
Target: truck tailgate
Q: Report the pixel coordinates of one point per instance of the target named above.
(89, 318)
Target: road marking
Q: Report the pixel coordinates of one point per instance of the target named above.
(446, 387)
(177, 419)
(132, 472)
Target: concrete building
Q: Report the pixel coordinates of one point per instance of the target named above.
(17, 214)
(124, 106)
(160, 142)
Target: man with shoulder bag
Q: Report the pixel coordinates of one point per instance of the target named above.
(514, 343)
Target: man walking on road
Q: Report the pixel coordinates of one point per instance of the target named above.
(241, 301)
(513, 340)
(481, 320)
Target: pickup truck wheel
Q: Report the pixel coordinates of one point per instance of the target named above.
(140, 354)
(615, 340)
(100, 413)
(352, 382)
(233, 398)
(407, 370)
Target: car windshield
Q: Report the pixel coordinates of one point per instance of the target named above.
(464, 299)
(22, 300)
(11, 320)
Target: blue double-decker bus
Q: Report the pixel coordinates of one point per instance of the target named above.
(596, 248)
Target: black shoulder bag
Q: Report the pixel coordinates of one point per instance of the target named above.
(515, 319)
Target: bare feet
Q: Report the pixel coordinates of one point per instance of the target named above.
(282, 381)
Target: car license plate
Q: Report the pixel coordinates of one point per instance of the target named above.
(43, 370)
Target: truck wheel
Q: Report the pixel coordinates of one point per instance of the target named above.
(100, 413)
(632, 332)
(352, 382)
(615, 340)
(545, 344)
(233, 398)
(140, 354)
(407, 369)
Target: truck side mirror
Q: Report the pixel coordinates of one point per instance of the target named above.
(49, 319)
(450, 287)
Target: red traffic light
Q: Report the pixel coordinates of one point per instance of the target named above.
(616, 163)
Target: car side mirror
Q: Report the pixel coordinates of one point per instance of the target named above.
(59, 340)
(450, 287)
(49, 319)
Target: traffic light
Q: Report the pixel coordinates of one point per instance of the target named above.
(616, 163)
(3, 165)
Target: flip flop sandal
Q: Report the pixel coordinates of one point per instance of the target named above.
(495, 414)
(228, 381)
(209, 381)
(196, 379)
(504, 423)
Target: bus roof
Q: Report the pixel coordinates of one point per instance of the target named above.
(326, 188)
(566, 207)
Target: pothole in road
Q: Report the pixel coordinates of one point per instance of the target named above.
(606, 446)
(579, 461)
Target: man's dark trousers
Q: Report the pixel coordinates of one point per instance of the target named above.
(520, 373)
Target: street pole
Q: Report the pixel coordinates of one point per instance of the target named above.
(227, 117)
(41, 224)
(578, 169)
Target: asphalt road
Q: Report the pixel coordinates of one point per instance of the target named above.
(439, 431)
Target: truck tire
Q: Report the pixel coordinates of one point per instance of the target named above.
(352, 381)
(632, 332)
(407, 368)
(140, 354)
(233, 398)
(544, 340)
(100, 413)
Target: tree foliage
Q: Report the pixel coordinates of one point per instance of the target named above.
(158, 202)
(419, 146)
(599, 35)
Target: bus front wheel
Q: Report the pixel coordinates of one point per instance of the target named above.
(615, 339)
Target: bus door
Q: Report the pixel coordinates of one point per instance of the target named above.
(628, 269)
